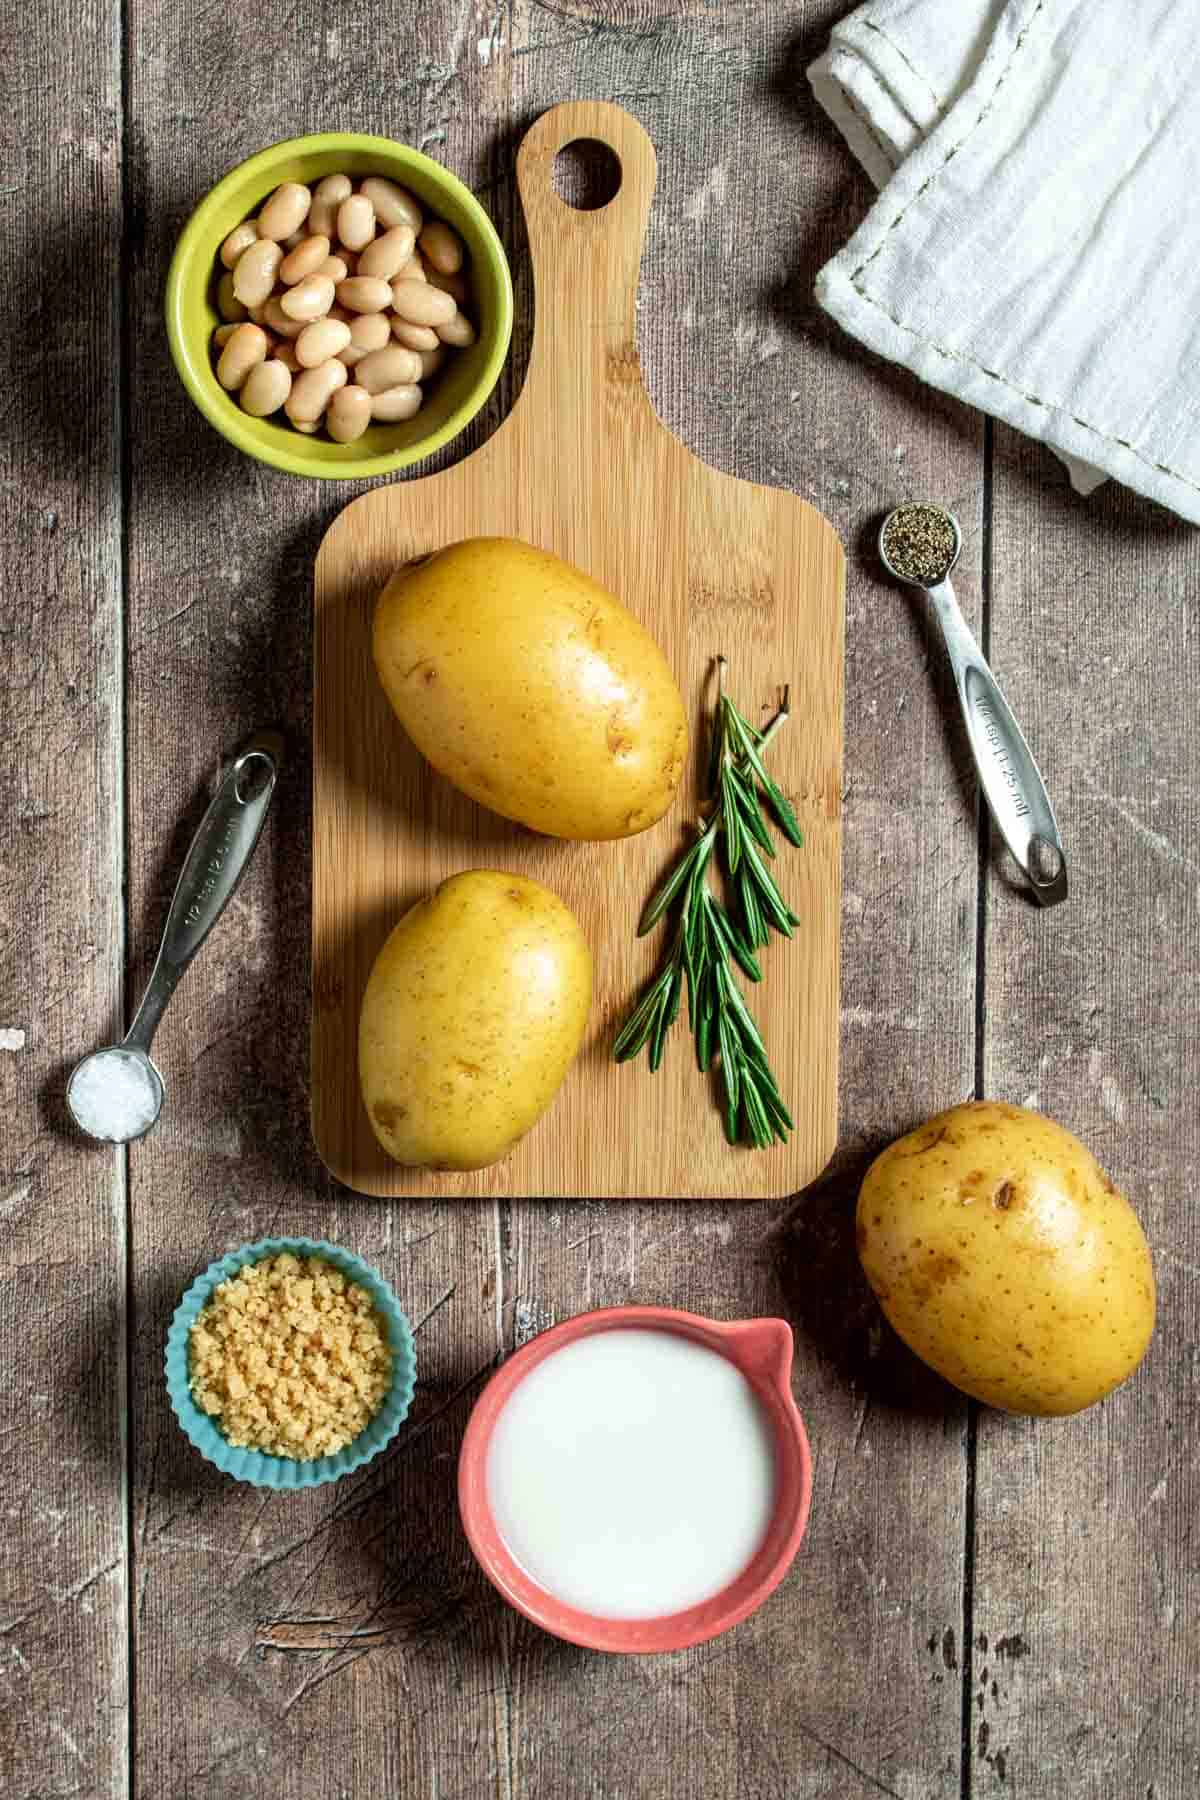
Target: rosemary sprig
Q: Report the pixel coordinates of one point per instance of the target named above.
(708, 935)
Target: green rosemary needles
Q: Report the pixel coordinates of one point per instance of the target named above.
(710, 936)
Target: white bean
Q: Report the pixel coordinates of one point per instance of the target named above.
(371, 330)
(309, 427)
(285, 353)
(285, 211)
(309, 299)
(368, 331)
(239, 239)
(383, 369)
(396, 403)
(312, 391)
(335, 267)
(349, 414)
(387, 255)
(228, 304)
(431, 361)
(449, 284)
(266, 388)
(327, 197)
(305, 259)
(356, 222)
(278, 321)
(421, 304)
(365, 294)
(442, 247)
(414, 337)
(393, 204)
(254, 275)
(458, 331)
(222, 335)
(321, 340)
(246, 347)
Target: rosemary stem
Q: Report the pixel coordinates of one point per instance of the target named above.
(781, 718)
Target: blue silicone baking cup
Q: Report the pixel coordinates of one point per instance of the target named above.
(283, 1472)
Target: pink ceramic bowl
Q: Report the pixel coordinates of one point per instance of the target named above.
(762, 1350)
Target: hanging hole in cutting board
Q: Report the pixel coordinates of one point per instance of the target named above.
(587, 174)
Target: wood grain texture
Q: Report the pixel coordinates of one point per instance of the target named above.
(707, 564)
(63, 1723)
(236, 1691)
(739, 364)
(476, 1702)
(1087, 1564)
(343, 1642)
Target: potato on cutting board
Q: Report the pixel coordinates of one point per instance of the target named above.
(1005, 1257)
(471, 1018)
(532, 688)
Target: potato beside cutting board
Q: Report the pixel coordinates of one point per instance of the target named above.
(707, 563)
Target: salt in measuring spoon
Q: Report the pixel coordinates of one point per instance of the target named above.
(919, 545)
(116, 1094)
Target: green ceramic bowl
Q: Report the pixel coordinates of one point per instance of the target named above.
(465, 379)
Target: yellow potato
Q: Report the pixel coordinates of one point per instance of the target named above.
(472, 1015)
(532, 689)
(1004, 1256)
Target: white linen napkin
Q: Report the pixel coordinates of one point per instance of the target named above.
(1035, 248)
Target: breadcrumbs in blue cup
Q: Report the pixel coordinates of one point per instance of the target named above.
(289, 1363)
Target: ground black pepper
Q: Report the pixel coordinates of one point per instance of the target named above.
(919, 543)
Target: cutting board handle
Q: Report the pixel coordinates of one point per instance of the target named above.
(585, 270)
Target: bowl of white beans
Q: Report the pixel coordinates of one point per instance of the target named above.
(339, 306)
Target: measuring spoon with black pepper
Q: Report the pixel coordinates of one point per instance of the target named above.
(919, 544)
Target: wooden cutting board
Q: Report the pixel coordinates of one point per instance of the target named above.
(583, 467)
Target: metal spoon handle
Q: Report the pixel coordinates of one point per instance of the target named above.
(215, 863)
(1011, 781)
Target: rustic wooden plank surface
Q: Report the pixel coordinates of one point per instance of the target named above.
(63, 1722)
(1086, 1559)
(275, 1638)
(342, 1642)
(750, 182)
(491, 1702)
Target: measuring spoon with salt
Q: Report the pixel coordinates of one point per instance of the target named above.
(116, 1094)
(919, 544)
